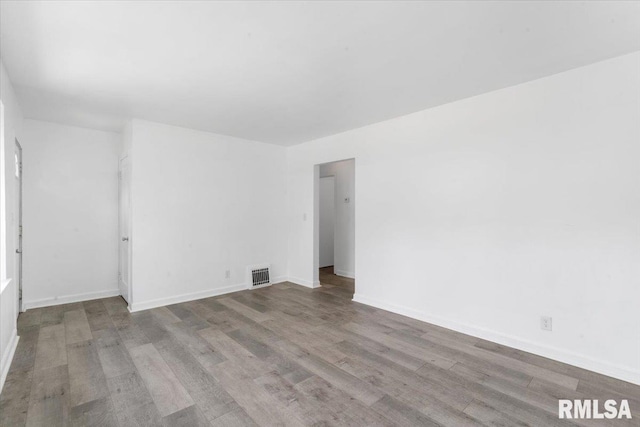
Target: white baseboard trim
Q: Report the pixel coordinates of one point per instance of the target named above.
(348, 274)
(280, 279)
(305, 283)
(160, 302)
(7, 357)
(46, 302)
(616, 371)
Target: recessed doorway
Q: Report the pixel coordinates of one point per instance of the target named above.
(335, 242)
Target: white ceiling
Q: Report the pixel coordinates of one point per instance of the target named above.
(289, 72)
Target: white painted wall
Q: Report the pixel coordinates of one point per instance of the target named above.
(345, 235)
(203, 203)
(12, 125)
(70, 213)
(327, 214)
(484, 214)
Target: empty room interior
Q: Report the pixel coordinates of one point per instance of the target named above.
(349, 213)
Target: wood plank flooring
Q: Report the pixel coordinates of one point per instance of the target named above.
(283, 355)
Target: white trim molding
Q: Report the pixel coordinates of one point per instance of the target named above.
(160, 302)
(46, 302)
(620, 372)
(7, 358)
(348, 274)
(305, 283)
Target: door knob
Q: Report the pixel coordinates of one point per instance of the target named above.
(125, 239)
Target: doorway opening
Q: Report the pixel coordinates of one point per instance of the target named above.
(18, 229)
(335, 236)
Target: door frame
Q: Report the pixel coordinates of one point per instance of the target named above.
(19, 226)
(316, 217)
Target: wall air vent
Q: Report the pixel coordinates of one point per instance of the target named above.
(259, 276)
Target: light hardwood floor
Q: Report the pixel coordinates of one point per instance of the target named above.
(328, 278)
(284, 355)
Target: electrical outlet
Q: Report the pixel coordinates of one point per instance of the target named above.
(227, 274)
(545, 323)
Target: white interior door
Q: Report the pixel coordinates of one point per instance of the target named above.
(125, 246)
(326, 226)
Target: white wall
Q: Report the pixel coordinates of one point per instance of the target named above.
(484, 214)
(203, 203)
(344, 245)
(70, 213)
(12, 124)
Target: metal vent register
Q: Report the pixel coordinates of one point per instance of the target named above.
(259, 276)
